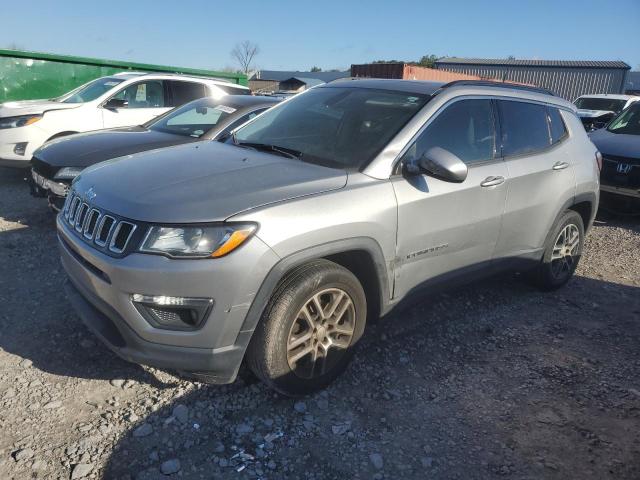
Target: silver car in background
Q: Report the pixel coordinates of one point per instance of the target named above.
(275, 247)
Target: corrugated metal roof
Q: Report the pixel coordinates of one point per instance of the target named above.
(280, 75)
(535, 63)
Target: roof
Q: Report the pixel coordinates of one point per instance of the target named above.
(240, 101)
(280, 75)
(513, 62)
(409, 86)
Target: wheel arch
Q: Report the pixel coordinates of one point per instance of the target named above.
(362, 256)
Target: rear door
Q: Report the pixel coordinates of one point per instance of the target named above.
(449, 229)
(144, 101)
(541, 175)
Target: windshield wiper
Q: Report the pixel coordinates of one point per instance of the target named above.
(284, 151)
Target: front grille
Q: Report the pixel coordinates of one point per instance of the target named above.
(104, 231)
(620, 171)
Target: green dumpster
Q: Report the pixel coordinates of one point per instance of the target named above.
(31, 75)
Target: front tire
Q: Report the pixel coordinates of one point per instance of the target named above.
(308, 331)
(562, 253)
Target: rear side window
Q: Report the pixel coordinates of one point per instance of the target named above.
(148, 94)
(183, 92)
(556, 125)
(524, 127)
(465, 128)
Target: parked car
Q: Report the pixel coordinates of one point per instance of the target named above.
(118, 100)
(620, 147)
(57, 163)
(335, 205)
(596, 111)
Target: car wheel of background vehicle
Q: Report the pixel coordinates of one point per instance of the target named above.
(309, 328)
(562, 252)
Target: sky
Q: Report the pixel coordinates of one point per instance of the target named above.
(297, 35)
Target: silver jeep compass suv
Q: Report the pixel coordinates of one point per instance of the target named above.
(275, 246)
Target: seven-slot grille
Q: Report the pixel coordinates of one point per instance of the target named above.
(105, 231)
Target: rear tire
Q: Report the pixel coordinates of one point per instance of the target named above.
(308, 330)
(562, 252)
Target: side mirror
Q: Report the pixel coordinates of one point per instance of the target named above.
(115, 103)
(443, 164)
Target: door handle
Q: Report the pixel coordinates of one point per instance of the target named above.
(492, 181)
(560, 165)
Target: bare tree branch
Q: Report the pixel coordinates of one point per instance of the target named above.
(244, 53)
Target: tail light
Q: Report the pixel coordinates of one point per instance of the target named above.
(599, 160)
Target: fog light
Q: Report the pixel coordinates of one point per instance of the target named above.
(173, 313)
(20, 148)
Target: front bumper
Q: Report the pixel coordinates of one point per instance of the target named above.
(100, 289)
(627, 192)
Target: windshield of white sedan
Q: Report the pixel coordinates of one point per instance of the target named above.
(91, 90)
(628, 122)
(606, 104)
(340, 127)
(194, 119)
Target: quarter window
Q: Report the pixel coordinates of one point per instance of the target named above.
(465, 128)
(556, 125)
(143, 95)
(524, 127)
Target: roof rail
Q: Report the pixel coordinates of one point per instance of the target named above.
(488, 83)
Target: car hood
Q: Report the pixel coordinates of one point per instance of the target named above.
(29, 107)
(201, 182)
(86, 149)
(616, 144)
(594, 113)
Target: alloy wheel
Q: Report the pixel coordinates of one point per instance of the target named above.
(565, 251)
(321, 333)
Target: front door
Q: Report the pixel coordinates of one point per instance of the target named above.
(144, 101)
(448, 229)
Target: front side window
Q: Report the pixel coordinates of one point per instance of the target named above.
(90, 91)
(183, 92)
(628, 122)
(464, 128)
(524, 127)
(194, 119)
(148, 94)
(340, 127)
(556, 125)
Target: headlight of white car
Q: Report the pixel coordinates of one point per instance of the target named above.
(68, 173)
(201, 241)
(21, 121)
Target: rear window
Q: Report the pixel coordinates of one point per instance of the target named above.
(556, 125)
(524, 127)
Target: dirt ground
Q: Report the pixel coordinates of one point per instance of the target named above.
(491, 380)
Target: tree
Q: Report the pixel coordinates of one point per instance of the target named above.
(428, 61)
(244, 53)
(315, 69)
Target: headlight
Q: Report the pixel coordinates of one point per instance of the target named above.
(196, 241)
(68, 173)
(21, 121)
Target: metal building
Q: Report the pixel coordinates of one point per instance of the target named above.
(566, 78)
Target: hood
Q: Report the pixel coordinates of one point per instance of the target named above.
(201, 182)
(594, 113)
(29, 107)
(86, 149)
(616, 144)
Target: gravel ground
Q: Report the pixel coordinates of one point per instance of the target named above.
(491, 380)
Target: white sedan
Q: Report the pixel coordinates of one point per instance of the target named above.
(119, 100)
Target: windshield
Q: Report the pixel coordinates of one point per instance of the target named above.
(339, 127)
(608, 104)
(627, 122)
(194, 119)
(90, 91)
